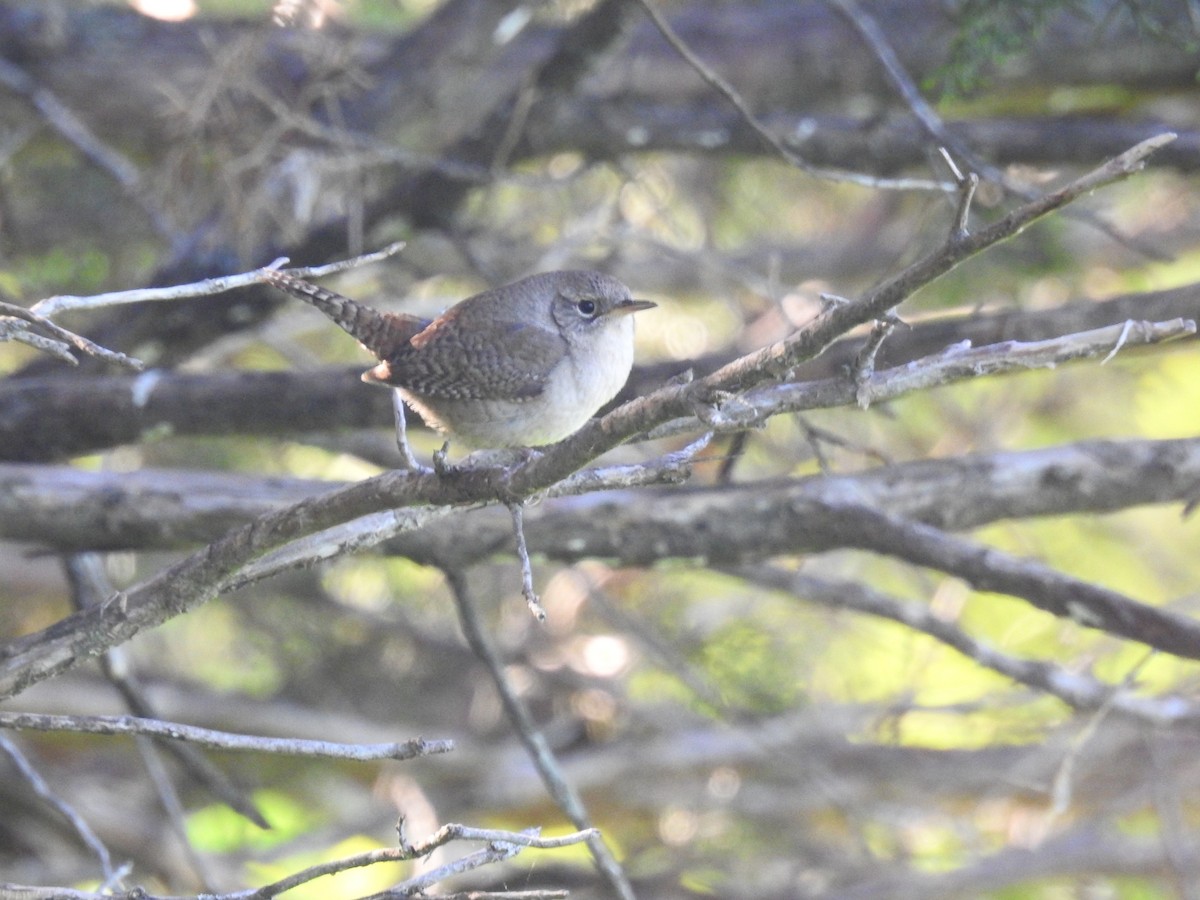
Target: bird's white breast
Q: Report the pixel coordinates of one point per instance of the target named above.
(594, 368)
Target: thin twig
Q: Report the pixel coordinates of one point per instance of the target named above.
(34, 779)
(90, 586)
(168, 798)
(563, 794)
(671, 468)
(726, 90)
(222, 740)
(813, 439)
(837, 319)
(14, 330)
(864, 363)
(522, 104)
(954, 364)
(79, 342)
(1061, 784)
(815, 436)
(517, 511)
(932, 123)
(968, 184)
(675, 466)
(878, 44)
(1077, 689)
(1122, 339)
(501, 845)
(52, 306)
(530, 838)
(63, 120)
(343, 265)
(733, 453)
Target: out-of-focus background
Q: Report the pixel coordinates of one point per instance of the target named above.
(874, 729)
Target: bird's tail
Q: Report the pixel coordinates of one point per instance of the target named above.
(379, 332)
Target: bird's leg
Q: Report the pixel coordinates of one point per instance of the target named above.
(406, 454)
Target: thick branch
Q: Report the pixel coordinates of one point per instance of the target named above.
(71, 510)
(988, 569)
(884, 146)
(1078, 689)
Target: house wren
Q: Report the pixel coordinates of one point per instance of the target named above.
(517, 366)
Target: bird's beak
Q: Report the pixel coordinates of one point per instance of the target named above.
(625, 307)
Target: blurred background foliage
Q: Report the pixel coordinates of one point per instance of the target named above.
(729, 740)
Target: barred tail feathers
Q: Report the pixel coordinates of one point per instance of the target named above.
(380, 333)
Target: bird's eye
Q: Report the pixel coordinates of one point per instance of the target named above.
(586, 307)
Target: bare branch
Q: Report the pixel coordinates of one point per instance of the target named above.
(903, 84)
(517, 510)
(768, 138)
(988, 569)
(776, 360)
(63, 120)
(501, 845)
(837, 319)
(1077, 689)
(954, 364)
(63, 337)
(43, 790)
(933, 125)
(52, 306)
(219, 740)
(343, 265)
(21, 333)
(91, 586)
(564, 795)
(69, 509)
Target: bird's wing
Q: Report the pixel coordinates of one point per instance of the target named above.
(511, 363)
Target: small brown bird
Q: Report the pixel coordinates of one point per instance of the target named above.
(517, 366)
